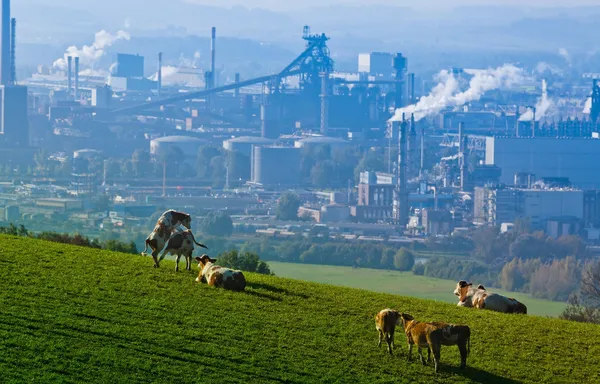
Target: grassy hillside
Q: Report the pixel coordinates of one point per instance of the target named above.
(70, 314)
(400, 283)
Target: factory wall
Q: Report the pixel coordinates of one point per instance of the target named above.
(273, 166)
(542, 205)
(575, 158)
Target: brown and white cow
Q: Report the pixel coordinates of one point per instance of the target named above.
(433, 335)
(220, 277)
(385, 322)
(481, 298)
(181, 243)
(166, 224)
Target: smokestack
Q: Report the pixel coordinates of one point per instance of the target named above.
(324, 103)
(69, 74)
(213, 41)
(411, 80)
(412, 148)
(533, 123)
(13, 48)
(159, 80)
(236, 92)
(76, 92)
(5, 58)
(462, 147)
(422, 151)
(400, 207)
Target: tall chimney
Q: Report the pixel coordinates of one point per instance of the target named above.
(159, 85)
(400, 205)
(76, 92)
(213, 41)
(69, 74)
(462, 148)
(422, 151)
(324, 103)
(5, 44)
(13, 48)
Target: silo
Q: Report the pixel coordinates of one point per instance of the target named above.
(244, 144)
(189, 145)
(276, 165)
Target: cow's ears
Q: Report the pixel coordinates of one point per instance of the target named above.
(481, 287)
(212, 260)
(463, 283)
(197, 259)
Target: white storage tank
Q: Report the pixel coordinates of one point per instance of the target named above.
(189, 145)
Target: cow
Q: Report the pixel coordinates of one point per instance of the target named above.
(166, 224)
(483, 299)
(433, 335)
(181, 243)
(385, 323)
(220, 277)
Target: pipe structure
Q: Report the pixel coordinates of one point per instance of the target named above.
(5, 58)
(76, 91)
(324, 103)
(236, 92)
(400, 207)
(213, 48)
(421, 169)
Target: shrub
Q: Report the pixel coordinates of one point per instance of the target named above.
(404, 260)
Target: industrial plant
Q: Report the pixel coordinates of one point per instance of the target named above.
(480, 147)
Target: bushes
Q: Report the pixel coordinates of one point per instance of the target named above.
(404, 260)
(246, 261)
(459, 269)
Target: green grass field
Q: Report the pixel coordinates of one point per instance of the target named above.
(79, 315)
(399, 283)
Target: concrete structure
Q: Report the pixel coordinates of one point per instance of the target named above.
(244, 144)
(129, 65)
(316, 141)
(101, 97)
(14, 122)
(495, 206)
(575, 158)
(376, 64)
(188, 145)
(437, 222)
(335, 213)
(5, 57)
(275, 166)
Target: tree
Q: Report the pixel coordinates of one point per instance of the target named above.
(141, 162)
(323, 174)
(205, 155)
(217, 165)
(404, 260)
(245, 261)
(239, 165)
(170, 157)
(371, 161)
(287, 206)
(217, 224)
(585, 306)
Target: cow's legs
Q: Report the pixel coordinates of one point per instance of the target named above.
(462, 347)
(380, 337)
(428, 355)
(410, 346)
(188, 262)
(388, 340)
(421, 354)
(177, 262)
(436, 355)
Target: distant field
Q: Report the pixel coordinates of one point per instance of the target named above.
(399, 283)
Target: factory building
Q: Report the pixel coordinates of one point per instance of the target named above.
(14, 123)
(497, 205)
(129, 65)
(575, 158)
(86, 171)
(316, 141)
(376, 64)
(275, 166)
(188, 145)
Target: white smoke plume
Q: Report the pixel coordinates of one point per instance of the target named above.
(185, 62)
(587, 108)
(90, 54)
(444, 94)
(542, 108)
(565, 55)
(93, 72)
(543, 67)
(167, 71)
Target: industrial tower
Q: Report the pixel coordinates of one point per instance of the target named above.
(400, 205)
(595, 111)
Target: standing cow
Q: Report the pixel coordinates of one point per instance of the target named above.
(166, 224)
(385, 322)
(220, 277)
(181, 243)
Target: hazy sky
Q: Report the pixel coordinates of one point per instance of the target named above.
(294, 4)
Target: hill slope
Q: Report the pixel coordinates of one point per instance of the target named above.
(74, 314)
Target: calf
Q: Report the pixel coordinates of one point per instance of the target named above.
(482, 299)
(181, 244)
(220, 277)
(385, 322)
(166, 224)
(433, 335)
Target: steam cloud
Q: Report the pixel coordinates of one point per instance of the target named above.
(565, 55)
(542, 107)
(90, 54)
(444, 94)
(167, 71)
(587, 108)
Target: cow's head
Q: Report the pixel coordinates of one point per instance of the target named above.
(406, 318)
(397, 316)
(481, 287)
(204, 260)
(460, 286)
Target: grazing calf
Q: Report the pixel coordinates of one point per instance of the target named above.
(385, 322)
(482, 299)
(166, 224)
(181, 243)
(220, 277)
(433, 335)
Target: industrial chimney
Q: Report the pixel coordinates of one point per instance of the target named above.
(76, 92)
(13, 48)
(69, 74)
(400, 204)
(213, 41)
(5, 44)
(159, 80)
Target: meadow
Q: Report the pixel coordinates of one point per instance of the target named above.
(70, 314)
(400, 283)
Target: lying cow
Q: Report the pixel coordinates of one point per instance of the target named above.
(433, 335)
(480, 298)
(385, 322)
(220, 277)
(166, 224)
(181, 243)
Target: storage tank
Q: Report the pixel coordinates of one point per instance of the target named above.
(276, 165)
(189, 145)
(315, 141)
(244, 144)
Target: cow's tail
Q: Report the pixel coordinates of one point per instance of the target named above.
(145, 248)
(197, 243)
(469, 345)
